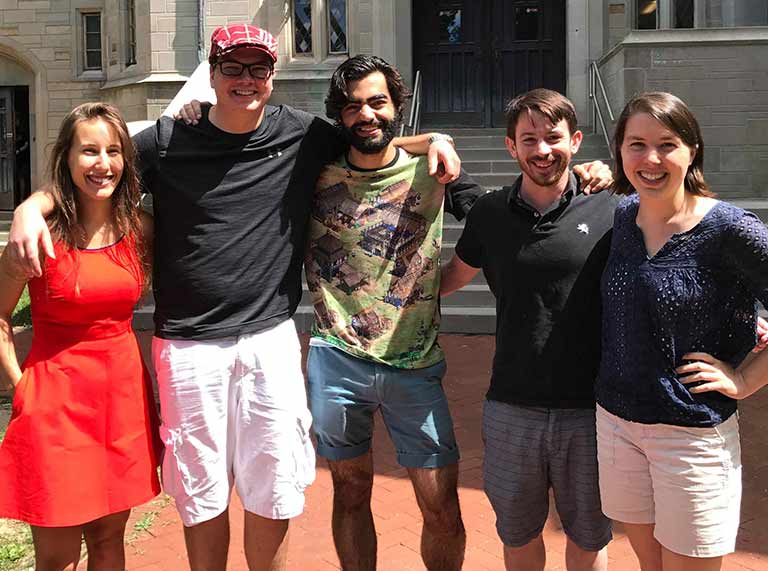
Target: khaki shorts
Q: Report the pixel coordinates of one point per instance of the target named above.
(686, 481)
(234, 411)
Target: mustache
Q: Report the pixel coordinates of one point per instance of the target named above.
(371, 123)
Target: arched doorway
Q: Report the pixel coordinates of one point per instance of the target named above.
(475, 55)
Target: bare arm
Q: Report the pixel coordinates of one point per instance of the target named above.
(455, 275)
(594, 176)
(29, 232)
(12, 282)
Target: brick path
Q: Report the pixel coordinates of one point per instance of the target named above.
(397, 517)
(396, 514)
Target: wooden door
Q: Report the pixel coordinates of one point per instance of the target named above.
(475, 55)
(450, 52)
(528, 50)
(7, 149)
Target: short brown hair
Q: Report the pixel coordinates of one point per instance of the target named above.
(553, 105)
(675, 115)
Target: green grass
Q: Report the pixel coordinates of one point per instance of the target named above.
(16, 551)
(22, 316)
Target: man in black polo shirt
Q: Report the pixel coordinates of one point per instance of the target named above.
(542, 246)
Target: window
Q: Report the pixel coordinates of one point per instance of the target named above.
(320, 28)
(647, 15)
(92, 41)
(337, 27)
(130, 32)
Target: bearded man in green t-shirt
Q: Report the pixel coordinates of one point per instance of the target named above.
(373, 270)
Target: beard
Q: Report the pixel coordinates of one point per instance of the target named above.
(541, 179)
(370, 145)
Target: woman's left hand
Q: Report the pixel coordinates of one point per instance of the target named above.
(715, 375)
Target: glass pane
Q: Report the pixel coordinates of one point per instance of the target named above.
(683, 14)
(526, 23)
(646, 14)
(337, 26)
(450, 26)
(93, 59)
(302, 26)
(3, 143)
(92, 23)
(92, 41)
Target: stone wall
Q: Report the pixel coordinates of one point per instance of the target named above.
(722, 75)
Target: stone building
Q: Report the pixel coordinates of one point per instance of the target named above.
(473, 54)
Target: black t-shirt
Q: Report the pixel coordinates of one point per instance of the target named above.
(231, 215)
(544, 270)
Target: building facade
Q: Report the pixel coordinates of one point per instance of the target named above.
(473, 55)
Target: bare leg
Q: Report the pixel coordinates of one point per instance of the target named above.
(530, 557)
(353, 533)
(57, 548)
(266, 543)
(578, 559)
(647, 549)
(677, 562)
(443, 538)
(104, 539)
(208, 544)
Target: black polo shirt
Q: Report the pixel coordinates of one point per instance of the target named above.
(544, 270)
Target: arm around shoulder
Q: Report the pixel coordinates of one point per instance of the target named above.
(29, 231)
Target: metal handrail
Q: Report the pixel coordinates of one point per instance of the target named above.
(414, 118)
(595, 80)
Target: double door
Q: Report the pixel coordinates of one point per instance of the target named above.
(7, 150)
(475, 55)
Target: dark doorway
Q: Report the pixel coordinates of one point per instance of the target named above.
(15, 142)
(475, 55)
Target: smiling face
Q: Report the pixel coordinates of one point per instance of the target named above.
(654, 158)
(542, 148)
(369, 120)
(242, 93)
(95, 160)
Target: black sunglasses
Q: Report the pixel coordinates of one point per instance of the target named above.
(233, 68)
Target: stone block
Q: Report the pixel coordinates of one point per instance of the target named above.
(31, 29)
(58, 41)
(724, 136)
(735, 159)
(160, 41)
(18, 16)
(757, 132)
(157, 7)
(9, 4)
(53, 17)
(634, 81)
(54, 30)
(29, 40)
(45, 54)
(712, 159)
(164, 24)
(42, 5)
(719, 118)
(745, 84)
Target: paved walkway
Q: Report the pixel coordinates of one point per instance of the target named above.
(397, 517)
(158, 542)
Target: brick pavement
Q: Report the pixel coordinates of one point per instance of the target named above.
(397, 517)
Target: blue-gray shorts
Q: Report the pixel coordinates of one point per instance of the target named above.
(345, 391)
(529, 450)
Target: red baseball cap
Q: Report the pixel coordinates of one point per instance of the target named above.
(228, 38)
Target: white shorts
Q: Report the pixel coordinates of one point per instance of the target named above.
(234, 410)
(686, 481)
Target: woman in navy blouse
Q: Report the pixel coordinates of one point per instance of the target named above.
(679, 301)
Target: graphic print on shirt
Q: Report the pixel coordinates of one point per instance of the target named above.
(373, 261)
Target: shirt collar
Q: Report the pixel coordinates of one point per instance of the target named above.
(515, 199)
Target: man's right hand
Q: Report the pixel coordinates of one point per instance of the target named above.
(28, 234)
(190, 113)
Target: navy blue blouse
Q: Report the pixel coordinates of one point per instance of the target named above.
(698, 293)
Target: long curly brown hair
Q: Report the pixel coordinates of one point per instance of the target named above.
(64, 220)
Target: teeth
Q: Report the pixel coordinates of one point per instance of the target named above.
(239, 92)
(652, 176)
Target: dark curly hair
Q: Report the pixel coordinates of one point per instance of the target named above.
(356, 68)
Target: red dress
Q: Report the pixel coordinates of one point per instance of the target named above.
(82, 440)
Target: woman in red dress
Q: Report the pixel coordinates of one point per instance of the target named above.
(80, 450)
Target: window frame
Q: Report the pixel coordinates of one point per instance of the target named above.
(130, 33)
(320, 34)
(85, 50)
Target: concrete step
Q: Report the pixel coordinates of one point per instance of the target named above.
(454, 319)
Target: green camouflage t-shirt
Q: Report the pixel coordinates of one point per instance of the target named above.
(373, 261)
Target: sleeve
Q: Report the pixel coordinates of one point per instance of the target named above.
(325, 137)
(461, 194)
(147, 156)
(745, 250)
(469, 247)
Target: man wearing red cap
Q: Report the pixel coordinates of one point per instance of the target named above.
(231, 197)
